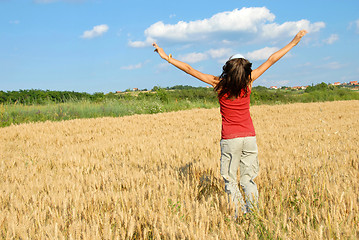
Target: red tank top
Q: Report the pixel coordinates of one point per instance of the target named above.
(236, 119)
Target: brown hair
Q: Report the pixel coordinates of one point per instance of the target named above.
(235, 78)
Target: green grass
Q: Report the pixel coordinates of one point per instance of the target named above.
(18, 113)
(154, 102)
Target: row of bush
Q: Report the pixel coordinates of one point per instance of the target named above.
(37, 105)
(260, 95)
(35, 96)
(317, 93)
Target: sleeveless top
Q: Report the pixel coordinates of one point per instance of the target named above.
(236, 119)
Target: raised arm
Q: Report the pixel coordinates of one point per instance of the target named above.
(277, 55)
(207, 78)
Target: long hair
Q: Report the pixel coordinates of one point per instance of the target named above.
(235, 78)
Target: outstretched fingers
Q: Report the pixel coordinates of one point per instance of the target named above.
(302, 33)
(299, 36)
(156, 46)
(160, 51)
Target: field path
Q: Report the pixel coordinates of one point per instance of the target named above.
(157, 176)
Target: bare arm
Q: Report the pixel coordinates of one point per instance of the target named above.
(277, 55)
(207, 78)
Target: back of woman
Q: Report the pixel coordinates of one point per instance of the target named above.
(238, 142)
(236, 118)
(234, 91)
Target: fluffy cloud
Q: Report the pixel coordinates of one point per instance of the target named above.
(275, 31)
(96, 31)
(219, 53)
(261, 54)
(333, 38)
(223, 54)
(193, 57)
(201, 56)
(257, 21)
(137, 44)
(245, 19)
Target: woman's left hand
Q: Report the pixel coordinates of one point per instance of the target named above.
(160, 51)
(299, 36)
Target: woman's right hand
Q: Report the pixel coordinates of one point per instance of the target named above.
(160, 51)
(299, 36)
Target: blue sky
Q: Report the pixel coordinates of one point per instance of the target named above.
(105, 45)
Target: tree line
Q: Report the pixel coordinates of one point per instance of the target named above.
(260, 95)
(36, 96)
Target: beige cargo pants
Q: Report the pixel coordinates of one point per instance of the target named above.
(240, 153)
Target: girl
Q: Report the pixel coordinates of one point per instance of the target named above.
(238, 142)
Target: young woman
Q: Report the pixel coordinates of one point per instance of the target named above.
(238, 143)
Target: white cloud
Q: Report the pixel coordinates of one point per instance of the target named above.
(356, 23)
(333, 38)
(225, 41)
(201, 56)
(193, 57)
(223, 54)
(274, 30)
(256, 21)
(146, 43)
(219, 53)
(132, 67)
(261, 54)
(96, 31)
(237, 20)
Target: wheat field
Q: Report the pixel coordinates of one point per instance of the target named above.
(157, 176)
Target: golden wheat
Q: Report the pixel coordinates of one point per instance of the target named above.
(157, 176)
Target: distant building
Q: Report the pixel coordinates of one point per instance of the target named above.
(353, 83)
(118, 91)
(273, 87)
(135, 89)
(337, 84)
